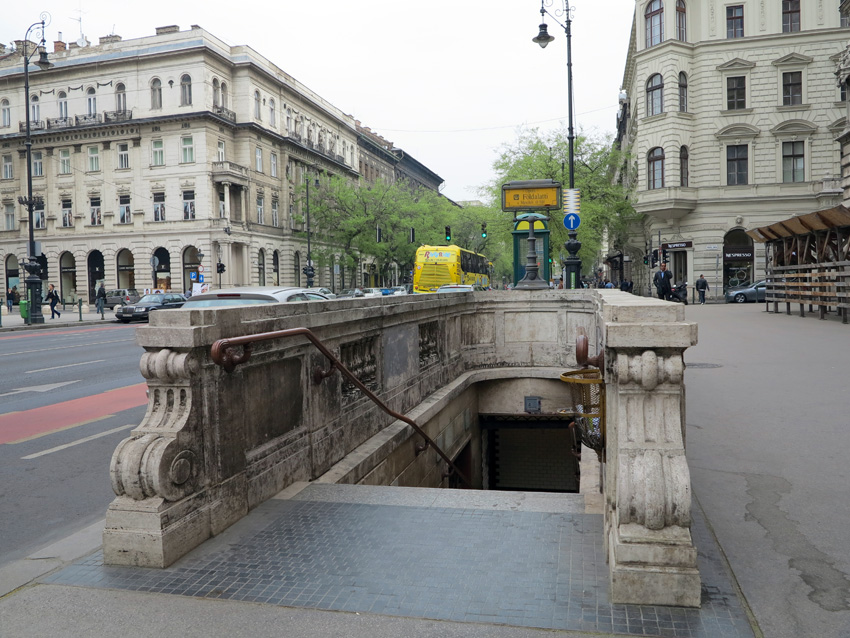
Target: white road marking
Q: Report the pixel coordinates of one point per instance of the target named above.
(40, 388)
(70, 365)
(81, 345)
(77, 442)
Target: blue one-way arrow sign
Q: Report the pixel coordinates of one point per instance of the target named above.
(572, 221)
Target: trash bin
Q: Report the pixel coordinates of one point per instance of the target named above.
(24, 305)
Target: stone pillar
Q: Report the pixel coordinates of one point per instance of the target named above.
(843, 76)
(226, 201)
(652, 558)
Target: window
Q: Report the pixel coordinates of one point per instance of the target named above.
(842, 92)
(845, 20)
(156, 94)
(8, 171)
(258, 159)
(654, 95)
(273, 164)
(123, 156)
(67, 214)
(261, 212)
(288, 121)
(683, 92)
(62, 98)
(793, 162)
(275, 213)
(157, 153)
(656, 168)
(185, 91)
(654, 19)
(94, 210)
(10, 217)
(91, 102)
(120, 98)
(736, 93)
(223, 95)
(64, 161)
(159, 207)
(735, 21)
(683, 166)
(790, 16)
(216, 93)
(188, 205)
(681, 22)
(94, 159)
(5, 114)
(39, 223)
(124, 216)
(37, 164)
(188, 147)
(792, 88)
(221, 210)
(257, 104)
(35, 109)
(272, 120)
(221, 154)
(736, 165)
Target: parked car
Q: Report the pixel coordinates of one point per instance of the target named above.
(747, 292)
(121, 297)
(350, 293)
(372, 292)
(327, 292)
(460, 288)
(404, 289)
(253, 295)
(140, 311)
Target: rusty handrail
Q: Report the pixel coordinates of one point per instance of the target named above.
(223, 354)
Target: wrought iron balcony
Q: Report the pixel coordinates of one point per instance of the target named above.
(225, 113)
(59, 122)
(35, 125)
(87, 120)
(117, 116)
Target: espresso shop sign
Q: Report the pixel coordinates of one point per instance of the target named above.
(676, 245)
(738, 254)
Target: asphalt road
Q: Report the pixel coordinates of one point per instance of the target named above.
(768, 427)
(67, 397)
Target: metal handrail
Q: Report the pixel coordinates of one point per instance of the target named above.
(223, 353)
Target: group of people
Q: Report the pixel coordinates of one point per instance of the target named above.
(663, 281)
(52, 297)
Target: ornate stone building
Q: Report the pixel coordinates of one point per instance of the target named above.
(147, 152)
(730, 113)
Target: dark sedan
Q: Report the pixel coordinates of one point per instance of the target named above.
(141, 310)
(745, 293)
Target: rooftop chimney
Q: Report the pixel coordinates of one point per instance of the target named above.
(58, 45)
(172, 28)
(106, 39)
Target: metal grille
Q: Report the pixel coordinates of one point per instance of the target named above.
(587, 396)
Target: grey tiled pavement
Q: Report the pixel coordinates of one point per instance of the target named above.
(494, 563)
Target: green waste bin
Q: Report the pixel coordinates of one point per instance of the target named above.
(24, 305)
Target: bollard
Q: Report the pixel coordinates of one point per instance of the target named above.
(80, 308)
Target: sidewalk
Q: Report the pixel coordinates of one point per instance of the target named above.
(70, 317)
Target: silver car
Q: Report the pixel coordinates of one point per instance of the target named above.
(252, 295)
(748, 292)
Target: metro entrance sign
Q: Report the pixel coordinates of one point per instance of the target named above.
(532, 194)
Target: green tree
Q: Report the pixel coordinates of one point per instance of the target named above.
(604, 202)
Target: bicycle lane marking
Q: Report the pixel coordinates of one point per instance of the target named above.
(25, 425)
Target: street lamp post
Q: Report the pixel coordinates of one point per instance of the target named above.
(308, 269)
(572, 264)
(33, 268)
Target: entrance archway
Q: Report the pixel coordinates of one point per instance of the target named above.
(96, 272)
(68, 277)
(13, 275)
(191, 261)
(126, 269)
(276, 268)
(261, 267)
(738, 259)
(162, 269)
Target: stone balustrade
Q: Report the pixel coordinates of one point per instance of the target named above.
(214, 444)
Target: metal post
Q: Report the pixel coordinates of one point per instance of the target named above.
(308, 269)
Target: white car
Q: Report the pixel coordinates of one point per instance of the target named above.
(327, 292)
(252, 295)
(460, 288)
(372, 292)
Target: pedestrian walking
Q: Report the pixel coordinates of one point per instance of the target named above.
(53, 299)
(10, 299)
(100, 299)
(663, 281)
(702, 287)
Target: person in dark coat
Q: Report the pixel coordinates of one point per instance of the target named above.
(702, 287)
(53, 299)
(100, 300)
(663, 281)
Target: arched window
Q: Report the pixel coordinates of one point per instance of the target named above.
(5, 114)
(288, 121)
(654, 19)
(297, 265)
(35, 110)
(91, 101)
(216, 93)
(120, 98)
(62, 99)
(224, 95)
(185, 90)
(683, 166)
(156, 93)
(257, 105)
(654, 95)
(272, 120)
(681, 22)
(683, 92)
(261, 267)
(655, 166)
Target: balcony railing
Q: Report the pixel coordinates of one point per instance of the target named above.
(117, 116)
(87, 120)
(59, 122)
(35, 125)
(295, 136)
(229, 168)
(225, 113)
(831, 184)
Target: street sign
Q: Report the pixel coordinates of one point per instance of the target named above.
(193, 276)
(200, 268)
(572, 222)
(154, 261)
(535, 194)
(200, 279)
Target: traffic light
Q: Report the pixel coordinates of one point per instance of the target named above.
(378, 234)
(484, 230)
(664, 256)
(412, 236)
(219, 268)
(448, 234)
(646, 260)
(654, 258)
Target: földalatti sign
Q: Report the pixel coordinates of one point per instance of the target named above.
(535, 194)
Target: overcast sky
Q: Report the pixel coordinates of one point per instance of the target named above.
(449, 81)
